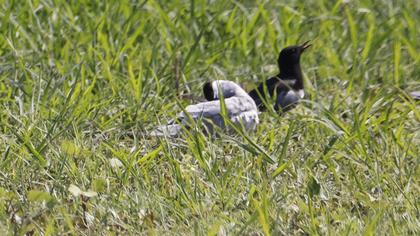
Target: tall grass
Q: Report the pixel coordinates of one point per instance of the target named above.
(77, 77)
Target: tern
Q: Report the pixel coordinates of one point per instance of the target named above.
(240, 109)
(287, 85)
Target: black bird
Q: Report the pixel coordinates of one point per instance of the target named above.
(287, 85)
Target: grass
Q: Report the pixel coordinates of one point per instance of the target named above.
(76, 77)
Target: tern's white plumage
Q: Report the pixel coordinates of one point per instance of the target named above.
(240, 109)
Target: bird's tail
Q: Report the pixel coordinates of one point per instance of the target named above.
(170, 130)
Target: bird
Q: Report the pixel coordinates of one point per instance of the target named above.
(415, 95)
(239, 106)
(287, 85)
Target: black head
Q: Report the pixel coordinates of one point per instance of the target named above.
(208, 91)
(291, 55)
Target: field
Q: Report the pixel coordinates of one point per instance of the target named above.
(83, 82)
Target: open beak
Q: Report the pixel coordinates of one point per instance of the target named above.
(305, 45)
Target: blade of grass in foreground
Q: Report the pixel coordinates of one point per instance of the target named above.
(369, 37)
(397, 61)
(253, 147)
(28, 145)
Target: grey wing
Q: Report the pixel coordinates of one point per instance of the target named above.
(239, 110)
(206, 109)
(210, 109)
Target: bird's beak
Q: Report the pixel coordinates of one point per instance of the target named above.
(305, 45)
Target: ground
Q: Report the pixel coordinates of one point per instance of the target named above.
(83, 82)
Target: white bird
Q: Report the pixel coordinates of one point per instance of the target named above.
(240, 109)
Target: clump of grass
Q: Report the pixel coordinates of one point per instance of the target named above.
(75, 78)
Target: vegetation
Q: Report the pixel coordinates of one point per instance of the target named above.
(79, 78)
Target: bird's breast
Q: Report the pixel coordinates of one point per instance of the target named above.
(300, 93)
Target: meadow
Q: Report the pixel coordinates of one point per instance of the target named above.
(83, 82)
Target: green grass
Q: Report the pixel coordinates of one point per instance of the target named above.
(77, 76)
